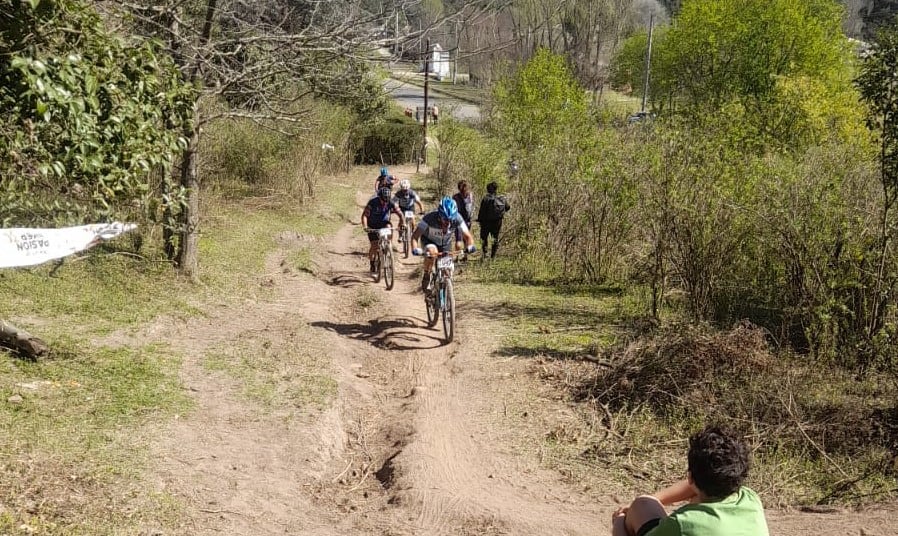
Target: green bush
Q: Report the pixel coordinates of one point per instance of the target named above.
(243, 157)
(395, 141)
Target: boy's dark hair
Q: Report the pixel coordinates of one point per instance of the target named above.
(718, 461)
(492, 187)
(461, 183)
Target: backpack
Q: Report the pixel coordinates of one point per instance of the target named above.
(494, 208)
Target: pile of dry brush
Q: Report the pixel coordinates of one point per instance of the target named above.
(700, 374)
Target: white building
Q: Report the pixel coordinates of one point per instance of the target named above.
(439, 62)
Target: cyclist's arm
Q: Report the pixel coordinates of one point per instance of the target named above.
(466, 234)
(395, 210)
(420, 205)
(365, 213)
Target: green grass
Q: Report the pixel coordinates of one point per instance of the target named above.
(72, 428)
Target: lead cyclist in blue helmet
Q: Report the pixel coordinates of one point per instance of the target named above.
(436, 230)
(384, 180)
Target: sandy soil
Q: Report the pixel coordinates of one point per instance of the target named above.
(406, 447)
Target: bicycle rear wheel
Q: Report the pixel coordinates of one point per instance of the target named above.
(430, 302)
(388, 266)
(448, 309)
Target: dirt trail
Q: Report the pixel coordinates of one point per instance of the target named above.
(406, 446)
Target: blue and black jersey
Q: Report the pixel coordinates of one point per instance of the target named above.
(379, 212)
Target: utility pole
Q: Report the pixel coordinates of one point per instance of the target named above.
(455, 70)
(426, 97)
(396, 37)
(648, 62)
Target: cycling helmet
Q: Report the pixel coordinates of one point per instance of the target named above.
(383, 172)
(405, 184)
(384, 194)
(448, 209)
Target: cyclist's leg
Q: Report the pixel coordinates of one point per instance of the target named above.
(484, 237)
(373, 240)
(496, 228)
(430, 252)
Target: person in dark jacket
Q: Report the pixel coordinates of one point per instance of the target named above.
(492, 210)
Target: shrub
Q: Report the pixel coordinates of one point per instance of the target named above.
(394, 141)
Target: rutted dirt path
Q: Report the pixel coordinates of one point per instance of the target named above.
(405, 446)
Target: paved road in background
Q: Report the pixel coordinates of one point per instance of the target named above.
(410, 96)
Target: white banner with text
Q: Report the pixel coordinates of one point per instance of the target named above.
(28, 247)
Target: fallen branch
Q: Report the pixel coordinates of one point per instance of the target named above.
(22, 341)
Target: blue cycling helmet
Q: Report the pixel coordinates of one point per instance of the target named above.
(448, 209)
(384, 193)
(383, 172)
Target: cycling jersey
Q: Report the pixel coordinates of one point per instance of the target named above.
(379, 212)
(406, 200)
(384, 181)
(432, 231)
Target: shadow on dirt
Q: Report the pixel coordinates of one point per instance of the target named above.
(545, 352)
(349, 279)
(349, 254)
(390, 333)
(549, 314)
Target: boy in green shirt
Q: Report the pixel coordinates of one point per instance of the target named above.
(719, 505)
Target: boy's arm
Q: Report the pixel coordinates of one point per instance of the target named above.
(677, 492)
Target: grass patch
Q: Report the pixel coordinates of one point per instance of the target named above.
(278, 372)
(365, 297)
(72, 435)
(95, 293)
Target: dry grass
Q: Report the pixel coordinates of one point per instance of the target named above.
(612, 398)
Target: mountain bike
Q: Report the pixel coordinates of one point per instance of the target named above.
(405, 237)
(383, 266)
(440, 299)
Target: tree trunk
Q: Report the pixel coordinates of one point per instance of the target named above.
(188, 255)
(22, 341)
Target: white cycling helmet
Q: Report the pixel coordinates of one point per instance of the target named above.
(405, 184)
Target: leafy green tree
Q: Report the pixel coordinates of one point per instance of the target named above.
(761, 62)
(573, 192)
(87, 115)
(877, 83)
(542, 104)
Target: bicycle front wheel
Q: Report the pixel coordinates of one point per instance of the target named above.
(448, 310)
(378, 264)
(388, 267)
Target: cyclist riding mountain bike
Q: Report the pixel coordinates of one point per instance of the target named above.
(383, 180)
(436, 230)
(407, 198)
(376, 215)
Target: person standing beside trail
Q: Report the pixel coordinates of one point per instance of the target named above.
(492, 210)
(464, 200)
